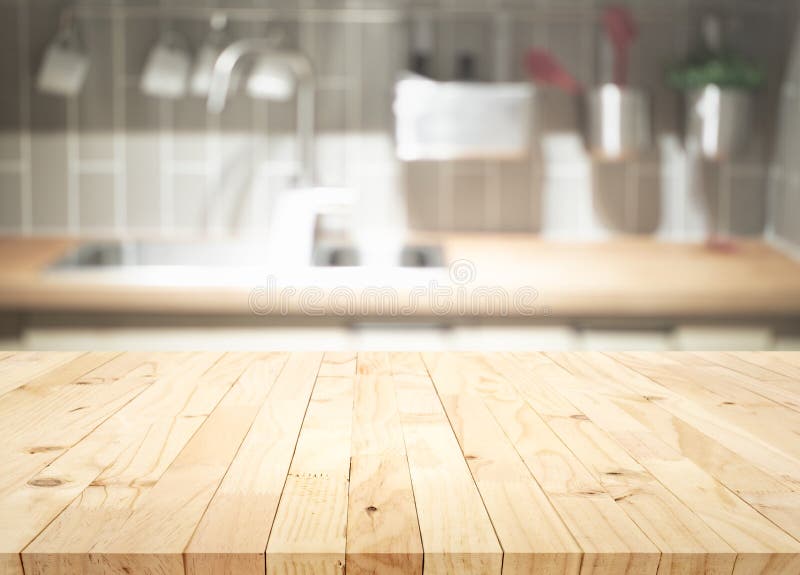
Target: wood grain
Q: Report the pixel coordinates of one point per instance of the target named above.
(755, 538)
(22, 367)
(98, 482)
(309, 532)
(53, 412)
(457, 533)
(611, 542)
(164, 518)
(400, 464)
(247, 499)
(527, 525)
(382, 529)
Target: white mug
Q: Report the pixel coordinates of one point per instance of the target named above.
(64, 66)
(271, 79)
(166, 72)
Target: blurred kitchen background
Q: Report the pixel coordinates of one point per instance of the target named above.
(106, 136)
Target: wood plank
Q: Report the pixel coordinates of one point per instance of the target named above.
(116, 463)
(31, 414)
(50, 414)
(527, 526)
(41, 399)
(616, 485)
(687, 544)
(457, 534)
(153, 536)
(232, 535)
(784, 363)
(10, 564)
(634, 370)
(29, 503)
(42, 419)
(760, 545)
(789, 357)
(382, 527)
(338, 364)
(734, 389)
(733, 361)
(731, 468)
(776, 500)
(24, 366)
(774, 386)
(309, 533)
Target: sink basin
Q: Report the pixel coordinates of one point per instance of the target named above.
(410, 256)
(228, 253)
(223, 254)
(243, 265)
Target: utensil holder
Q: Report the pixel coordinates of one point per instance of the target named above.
(718, 121)
(618, 122)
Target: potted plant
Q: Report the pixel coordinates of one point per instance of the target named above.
(718, 85)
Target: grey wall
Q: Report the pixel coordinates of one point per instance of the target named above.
(785, 174)
(114, 161)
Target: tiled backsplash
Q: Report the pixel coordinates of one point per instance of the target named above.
(115, 161)
(785, 173)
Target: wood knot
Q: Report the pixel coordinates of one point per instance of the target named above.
(470, 457)
(614, 473)
(652, 397)
(728, 403)
(371, 509)
(74, 409)
(590, 492)
(579, 417)
(46, 482)
(621, 497)
(44, 449)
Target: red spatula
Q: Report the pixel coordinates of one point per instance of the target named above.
(621, 30)
(545, 69)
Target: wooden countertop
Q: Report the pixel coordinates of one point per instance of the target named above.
(634, 277)
(202, 463)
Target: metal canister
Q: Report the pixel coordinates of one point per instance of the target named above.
(718, 121)
(618, 122)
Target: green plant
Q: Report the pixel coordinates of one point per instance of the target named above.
(723, 70)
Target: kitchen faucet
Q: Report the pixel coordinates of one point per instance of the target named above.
(299, 65)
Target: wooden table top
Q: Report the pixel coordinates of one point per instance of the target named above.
(638, 277)
(399, 463)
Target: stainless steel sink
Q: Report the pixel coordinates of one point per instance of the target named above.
(410, 256)
(225, 254)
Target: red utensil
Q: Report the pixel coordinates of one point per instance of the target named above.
(545, 69)
(621, 30)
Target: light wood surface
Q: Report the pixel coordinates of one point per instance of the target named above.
(626, 277)
(400, 463)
